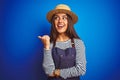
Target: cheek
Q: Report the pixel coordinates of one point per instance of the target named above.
(66, 24)
(55, 22)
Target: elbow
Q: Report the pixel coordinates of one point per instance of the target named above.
(83, 72)
(83, 69)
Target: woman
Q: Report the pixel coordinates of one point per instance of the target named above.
(64, 52)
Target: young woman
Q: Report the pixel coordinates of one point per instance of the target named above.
(64, 52)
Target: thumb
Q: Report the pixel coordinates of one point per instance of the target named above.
(39, 37)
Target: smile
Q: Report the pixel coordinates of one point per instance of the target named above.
(60, 26)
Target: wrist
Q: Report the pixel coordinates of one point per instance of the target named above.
(47, 47)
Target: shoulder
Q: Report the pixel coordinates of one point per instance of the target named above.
(79, 42)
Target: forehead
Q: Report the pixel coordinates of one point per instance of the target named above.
(60, 14)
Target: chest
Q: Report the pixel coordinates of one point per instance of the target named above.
(64, 58)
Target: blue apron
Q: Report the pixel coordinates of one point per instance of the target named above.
(64, 59)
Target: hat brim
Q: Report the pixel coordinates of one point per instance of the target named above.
(52, 12)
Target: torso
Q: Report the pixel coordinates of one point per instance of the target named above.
(64, 57)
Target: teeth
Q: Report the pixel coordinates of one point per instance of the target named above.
(60, 25)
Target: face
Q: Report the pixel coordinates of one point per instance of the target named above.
(61, 22)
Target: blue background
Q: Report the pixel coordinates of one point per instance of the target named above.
(22, 21)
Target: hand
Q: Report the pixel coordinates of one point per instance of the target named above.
(46, 41)
(57, 72)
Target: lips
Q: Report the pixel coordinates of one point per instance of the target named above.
(60, 25)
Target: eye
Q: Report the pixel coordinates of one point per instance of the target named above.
(56, 18)
(65, 18)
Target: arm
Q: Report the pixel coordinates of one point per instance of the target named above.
(80, 67)
(48, 63)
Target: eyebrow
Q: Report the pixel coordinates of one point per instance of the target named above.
(62, 15)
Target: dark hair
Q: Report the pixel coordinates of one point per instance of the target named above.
(70, 32)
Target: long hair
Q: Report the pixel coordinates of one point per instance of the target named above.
(70, 32)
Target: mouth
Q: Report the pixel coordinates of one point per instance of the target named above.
(60, 26)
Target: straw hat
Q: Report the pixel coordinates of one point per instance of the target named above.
(62, 8)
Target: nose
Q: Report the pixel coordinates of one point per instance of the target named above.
(60, 20)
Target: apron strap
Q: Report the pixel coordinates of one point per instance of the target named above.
(72, 43)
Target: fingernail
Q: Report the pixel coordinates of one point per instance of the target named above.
(39, 36)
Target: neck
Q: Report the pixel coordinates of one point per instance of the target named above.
(62, 37)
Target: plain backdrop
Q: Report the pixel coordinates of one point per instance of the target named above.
(21, 52)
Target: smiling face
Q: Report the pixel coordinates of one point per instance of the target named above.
(61, 22)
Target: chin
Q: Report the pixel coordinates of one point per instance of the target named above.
(61, 32)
